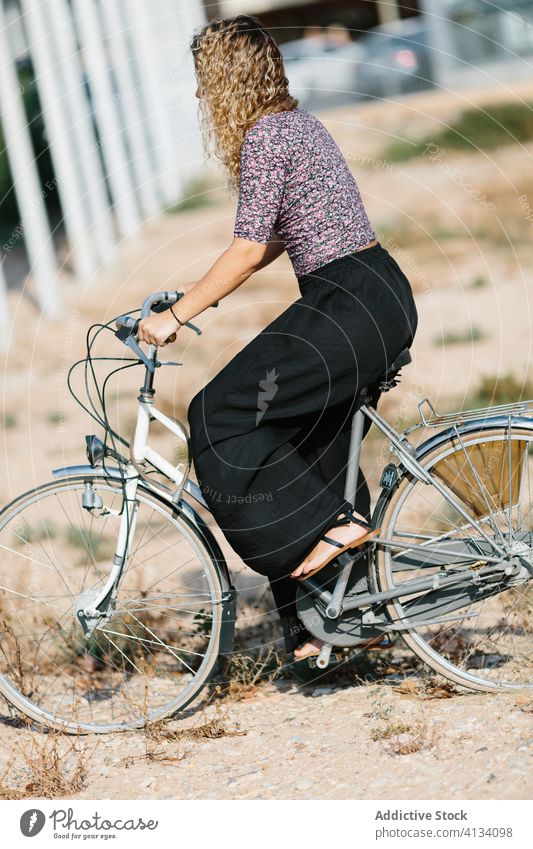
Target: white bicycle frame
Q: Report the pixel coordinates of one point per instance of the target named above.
(141, 451)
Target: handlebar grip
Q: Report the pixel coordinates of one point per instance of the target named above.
(128, 321)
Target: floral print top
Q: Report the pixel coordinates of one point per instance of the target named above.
(294, 182)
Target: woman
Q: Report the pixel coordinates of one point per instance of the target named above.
(270, 433)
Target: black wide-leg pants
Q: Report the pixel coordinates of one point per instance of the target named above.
(270, 432)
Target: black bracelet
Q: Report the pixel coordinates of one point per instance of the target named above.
(181, 323)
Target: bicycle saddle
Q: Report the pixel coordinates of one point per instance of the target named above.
(388, 378)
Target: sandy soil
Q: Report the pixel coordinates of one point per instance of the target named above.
(469, 262)
(321, 741)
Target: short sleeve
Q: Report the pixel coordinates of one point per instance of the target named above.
(263, 164)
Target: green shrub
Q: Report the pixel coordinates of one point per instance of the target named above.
(455, 337)
(502, 389)
(483, 127)
(197, 192)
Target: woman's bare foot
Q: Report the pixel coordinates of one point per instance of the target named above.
(312, 648)
(309, 649)
(322, 550)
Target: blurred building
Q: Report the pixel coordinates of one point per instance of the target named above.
(103, 91)
(289, 18)
(479, 41)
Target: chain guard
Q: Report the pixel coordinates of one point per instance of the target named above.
(348, 629)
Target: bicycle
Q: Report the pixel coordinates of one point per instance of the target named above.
(116, 602)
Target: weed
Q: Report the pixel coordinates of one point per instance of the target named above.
(31, 534)
(457, 337)
(420, 735)
(379, 710)
(197, 192)
(53, 771)
(159, 734)
(55, 417)
(245, 673)
(525, 703)
(398, 737)
(11, 652)
(479, 128)
(499, 389)
(393, 729)
(426, 688)
(10, 420)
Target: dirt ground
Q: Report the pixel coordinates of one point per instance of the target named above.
(286, 741)
(461, 233)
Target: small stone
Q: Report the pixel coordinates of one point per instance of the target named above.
(251, 775)
(492, 777)
(295, 741)
(482, 749)
(305, 784)
(321, 691)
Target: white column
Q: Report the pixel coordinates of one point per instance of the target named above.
(26, 182)
(139, 14)
(128, 105)
(114, 152)
(442, 52)
(70, 78)
(59, 140)
(5, 313)
(387, 10)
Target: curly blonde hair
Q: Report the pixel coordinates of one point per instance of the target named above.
(241, 77)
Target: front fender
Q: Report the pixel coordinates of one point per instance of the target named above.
(164, 493)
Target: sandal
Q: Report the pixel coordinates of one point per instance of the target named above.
(349, 516)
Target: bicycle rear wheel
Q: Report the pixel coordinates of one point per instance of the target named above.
(483, 640)
(159, 644)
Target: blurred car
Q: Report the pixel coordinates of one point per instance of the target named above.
(320, 73)
(395, 59)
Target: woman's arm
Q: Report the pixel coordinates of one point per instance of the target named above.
(232, 268)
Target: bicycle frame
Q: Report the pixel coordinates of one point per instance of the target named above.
(334, 601)
(141, 451)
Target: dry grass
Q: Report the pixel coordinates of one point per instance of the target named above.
(53, 769)
(407, 739)
(390, 730)
(427, 688)
(524, 702)
(396, 736)
(245, 674)
(166, 745)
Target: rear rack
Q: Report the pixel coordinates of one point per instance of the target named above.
(436, 420)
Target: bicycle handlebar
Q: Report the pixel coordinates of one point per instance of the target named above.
(158, 302)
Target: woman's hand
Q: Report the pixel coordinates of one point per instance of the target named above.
(158, 329)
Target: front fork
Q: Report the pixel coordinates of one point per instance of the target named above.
(93, 606)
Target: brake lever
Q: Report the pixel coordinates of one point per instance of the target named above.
(125, 334)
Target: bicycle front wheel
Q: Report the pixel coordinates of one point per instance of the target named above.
(477, 634)
(158, 644)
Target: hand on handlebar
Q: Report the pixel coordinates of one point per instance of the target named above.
(158, 329)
